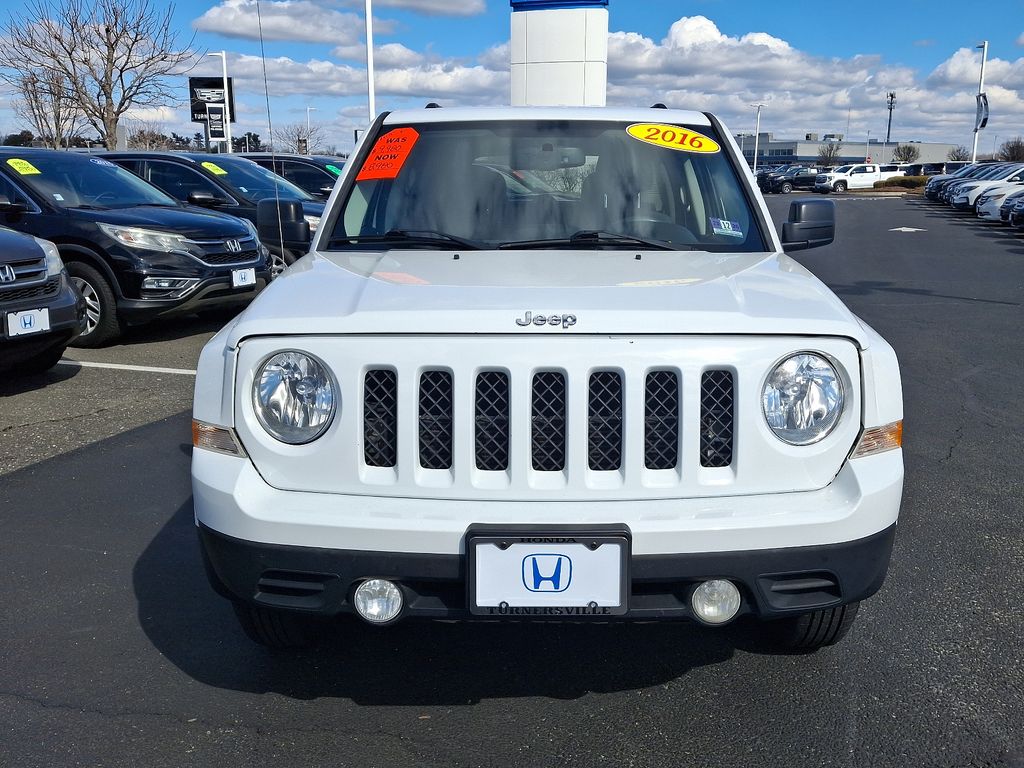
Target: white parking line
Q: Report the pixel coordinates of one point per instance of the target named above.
(120, 367)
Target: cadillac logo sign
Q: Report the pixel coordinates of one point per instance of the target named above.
(203, 91)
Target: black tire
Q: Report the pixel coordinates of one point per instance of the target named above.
(811, 631)
(839, 187)
(102, 323)
(41, 363)
(787, 188)
(276, 629)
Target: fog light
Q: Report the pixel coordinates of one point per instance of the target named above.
(716, 601)
(378, 600)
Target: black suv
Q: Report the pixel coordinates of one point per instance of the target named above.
(40, 308)
(227, 183)
(794, 178)
(315, 174)
(133, 252)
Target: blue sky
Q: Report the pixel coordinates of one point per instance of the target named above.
(817, 66)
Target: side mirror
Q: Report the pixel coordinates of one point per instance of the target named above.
(8, 207)
(281, 220)
(326, 190)
(812, 224)
(204, 198)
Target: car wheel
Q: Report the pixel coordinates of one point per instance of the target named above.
(41, 363)
(840, 186)
(811, 631)
(101, 321)
(276, 629)
(787, 188)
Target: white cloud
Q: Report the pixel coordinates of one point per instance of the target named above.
(295, 20)
(437, 7)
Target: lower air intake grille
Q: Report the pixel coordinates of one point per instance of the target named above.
(492, 415)
(548, 421)
(604, 421)
(436, 420)
(661, 420)
(716, 419)
(380, 418)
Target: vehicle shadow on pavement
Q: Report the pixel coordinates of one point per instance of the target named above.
(16, 385)
(868, 287)
(417, 663)
(174, 328)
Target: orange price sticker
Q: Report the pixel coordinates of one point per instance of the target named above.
(673, 137)
(389, 155)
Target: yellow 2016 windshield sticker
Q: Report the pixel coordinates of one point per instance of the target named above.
(24, 167)
(673, 137)
(215, 169)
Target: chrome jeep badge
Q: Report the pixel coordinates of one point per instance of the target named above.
(566, 321)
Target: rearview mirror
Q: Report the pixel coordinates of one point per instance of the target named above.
(281, 220)
(547, 157)
(812, 224)
(8, 207)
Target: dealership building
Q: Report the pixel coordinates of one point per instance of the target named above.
(772, 151)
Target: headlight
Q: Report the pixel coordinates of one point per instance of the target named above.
(803, 399)
(313, 221)
(54, 265)
(294, 397)
(150, 239)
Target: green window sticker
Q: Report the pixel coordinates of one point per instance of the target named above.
(24, 167)
(333, 169)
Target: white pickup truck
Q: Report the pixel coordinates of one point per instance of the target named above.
(860, 176)
(612, 397)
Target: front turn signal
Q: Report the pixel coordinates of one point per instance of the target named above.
(879, 440)
(216, 439)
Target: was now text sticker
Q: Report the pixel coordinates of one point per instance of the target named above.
(388, 155)
(673, 137)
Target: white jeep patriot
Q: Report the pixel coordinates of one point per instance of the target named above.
(548, 364)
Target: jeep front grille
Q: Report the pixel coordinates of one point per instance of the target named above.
(435, 420)
(716, 419)
(380, 418)
(548, 420)
(607, 438)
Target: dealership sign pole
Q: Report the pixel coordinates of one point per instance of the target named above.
(369, 61)
(981, 116)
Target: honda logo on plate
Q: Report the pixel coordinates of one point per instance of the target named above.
(6, 273)
(547, 573)
(233, 245)
(27, 322)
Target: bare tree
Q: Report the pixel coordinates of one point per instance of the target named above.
(289, 138)
(147, 135)
(111, 55)
(959, 153)
(828, 153)
(49, 107)
(1012, 150)
(906, 153)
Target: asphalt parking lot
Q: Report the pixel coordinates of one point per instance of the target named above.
(115, 652)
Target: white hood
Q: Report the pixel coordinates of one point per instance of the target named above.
(618, 292)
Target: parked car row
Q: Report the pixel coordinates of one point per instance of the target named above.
(992, 191)
(137, 236)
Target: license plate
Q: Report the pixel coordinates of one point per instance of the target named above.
(547, 575)
(243, 278)
(29, 321)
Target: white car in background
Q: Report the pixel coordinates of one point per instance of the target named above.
(989, 201)
(858, 176)
(967, 193)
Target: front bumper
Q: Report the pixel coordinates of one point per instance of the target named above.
(67, 321)
(211, 293)
(257, 538)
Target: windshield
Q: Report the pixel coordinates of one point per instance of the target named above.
(540, 183)
(252, 181)
(76, 181)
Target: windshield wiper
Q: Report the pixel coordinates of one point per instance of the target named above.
(597, 237)
(87, 207)
(419, 236)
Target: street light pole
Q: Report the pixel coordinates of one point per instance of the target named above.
(867, 141)
(981, 90)
(757, 132)
(369, 61)
(309, 149)
(227, 101)
(890, 102)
